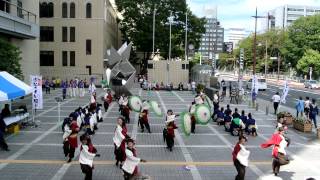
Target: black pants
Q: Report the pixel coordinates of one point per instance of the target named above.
(126, 117)
(47, 90)
(170, 142)
(87, 170)
(3, 143)
(118, 154)
(241, 169)
(127, 176)
(193, 126)
(145, 124)
(275, 107)
(106, 106)
(277, 162)
(68, 150)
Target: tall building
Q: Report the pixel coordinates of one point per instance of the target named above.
(74, 36)
(235, 35)
(283, 16)
(212, 40)
(19, 24)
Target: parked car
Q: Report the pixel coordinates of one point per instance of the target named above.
(311, 84)
(262, 84)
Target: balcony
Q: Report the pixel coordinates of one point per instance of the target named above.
(17, 22)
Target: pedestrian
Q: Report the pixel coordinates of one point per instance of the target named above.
(120, 135)
(314, 111)
(279, 142)
(107, 100)
(307, 106)
(240, 156)
(5, 112)
(300, 107)
(47, 86)
(75, 88)
(70, 87)
(170, 126)
(3, 126)
(130, 165)
(64, 87)
(143, 117)
(193, 87)
(81, 88)
(224, 88)
(87, 154)
(276, 100)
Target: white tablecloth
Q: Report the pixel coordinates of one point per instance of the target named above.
(15, 119)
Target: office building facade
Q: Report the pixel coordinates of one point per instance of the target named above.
(74, 36)
(234, 35)
(19, 25)
(212, 40)
(284, 16)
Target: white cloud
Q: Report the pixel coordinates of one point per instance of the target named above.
(233, 13)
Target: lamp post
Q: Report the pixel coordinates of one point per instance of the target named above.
(153, 29)
(170, 19)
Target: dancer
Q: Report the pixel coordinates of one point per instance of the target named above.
(240, 158)
(87, 154)
(171, 126)
(75, 88)
(192, 110)
(143, 117)
(120, 102)
(120, 135)
(71, 139)
(278, 152)
(99, 113)
(130, 165)
(107, 100)
(126, 111)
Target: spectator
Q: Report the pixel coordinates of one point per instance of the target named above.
(3, 143)
(314, 111)
(6, 111)
(276, 100)
(193, 87)
(300, 106)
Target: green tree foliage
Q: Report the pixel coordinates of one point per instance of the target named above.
(311, 58)
(137, 25)
(9, 59)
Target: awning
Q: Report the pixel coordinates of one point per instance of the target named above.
(12, 88)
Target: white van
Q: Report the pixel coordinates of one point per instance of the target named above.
(262, 84)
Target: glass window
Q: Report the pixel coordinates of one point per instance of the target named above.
(72, 10)
(64, 34)
(50, 10)
(64, 10)
(88, 46)
(72, 58)
(19, 9)
(150, 66)
(46, 58)
(46, 34)
(72, 34)
(43, 10)
(64, 58)
(183, 66)
(88, 10)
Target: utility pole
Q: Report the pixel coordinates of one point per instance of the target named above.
(255, 42)
(279, 62)
(154, 29)
(265, 63)
(169, 59)
(186, 38)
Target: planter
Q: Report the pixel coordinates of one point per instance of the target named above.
(303, 127)
(288, 120)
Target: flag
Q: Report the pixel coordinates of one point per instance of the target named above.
(285, 92)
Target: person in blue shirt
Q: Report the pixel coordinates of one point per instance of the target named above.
(243, 117)
(47, 86)
(227, 121)
(64, 87)
(236, 114)
(300, 106)
(251, 126)
(228, 110)
(220, 116)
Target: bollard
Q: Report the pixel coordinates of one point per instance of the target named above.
(257, 106)
(267, 109)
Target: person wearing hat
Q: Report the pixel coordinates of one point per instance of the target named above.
(279, 143)
(120, 135)
(143, 117)
(87, 154)
(130, 165)
(240, 157)
(170, 126)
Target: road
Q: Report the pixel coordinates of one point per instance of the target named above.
(36, 153)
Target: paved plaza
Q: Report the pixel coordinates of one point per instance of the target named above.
(37, 154)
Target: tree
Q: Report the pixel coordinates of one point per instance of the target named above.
(311, 58)
(10, 57)
(137, 25)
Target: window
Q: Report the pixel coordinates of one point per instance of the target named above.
(46, 34)
(19, 9)
(72, 34)
(64, 58)
(183, 66)
(72, 58)
(88, 46)
(150, 66)
(72, 10)
(46, 58)
(64, 34)
(64, 10)
(88, 10)
(187, 66)
(50, 10)
(46, 10)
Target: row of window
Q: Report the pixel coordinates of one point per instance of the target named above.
(47, 34)
(183, 66)
(47, 58)
(47, 10)
(207, 48)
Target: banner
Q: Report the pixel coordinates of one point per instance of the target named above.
(285, 92)
(254, 84)
(37, 99)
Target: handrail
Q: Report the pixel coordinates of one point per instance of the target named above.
(20, 12)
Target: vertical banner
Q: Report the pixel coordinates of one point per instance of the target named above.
(285, 92)
(37, 99)
(254, 87)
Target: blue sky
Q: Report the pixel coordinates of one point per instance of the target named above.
(237, 13)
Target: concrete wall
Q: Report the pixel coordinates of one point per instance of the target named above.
(176, 74)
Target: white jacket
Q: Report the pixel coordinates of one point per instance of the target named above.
(79, 121)
(100, 114)
(86, 157)
(67, 131)
(91, 121)
(118, 136)
(131, 162)
(243, 156)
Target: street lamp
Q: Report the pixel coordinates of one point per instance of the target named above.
(170, 19)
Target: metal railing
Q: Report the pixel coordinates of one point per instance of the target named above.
(18, 11)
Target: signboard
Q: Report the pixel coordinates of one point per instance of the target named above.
(285, 92)
(37, 99)
(228, 47)
(254, 87)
